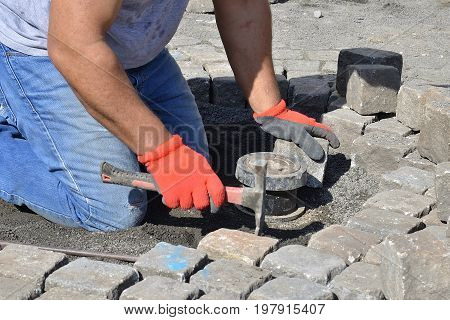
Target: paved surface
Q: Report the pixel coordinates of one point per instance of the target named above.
(417, 29)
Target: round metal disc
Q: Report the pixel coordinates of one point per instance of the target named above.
(283, 173)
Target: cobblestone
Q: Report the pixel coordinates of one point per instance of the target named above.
(237, 245)
(384, 222)
(203, 53)
(347, 125)
(442, 184)
(29, 263)
(301, 68)
(160, 288)
(232, 278)
(411, 101)
(401, 201)
(360, 281)
(379, 152)
(167, 260)
(302, 262)
(92, 277)
(372, 89)
(359, 56)
(438, 232)
(373, 256)
(284, 288)
(390, 125)
(432, 219)
(200, 6)
(409, 179)
(64, 294)
(347, 243)
(19, 289)
(309, 95)
(415, 160)
(415, 267)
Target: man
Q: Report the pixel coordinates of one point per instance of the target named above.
(86, 81)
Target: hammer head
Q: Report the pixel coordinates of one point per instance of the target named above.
(253, 198)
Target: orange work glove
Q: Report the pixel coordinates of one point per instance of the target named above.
(293, 126)
(183, 176)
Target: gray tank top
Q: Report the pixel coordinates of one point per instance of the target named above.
(141, 30)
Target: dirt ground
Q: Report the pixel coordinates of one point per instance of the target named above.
(417, 29)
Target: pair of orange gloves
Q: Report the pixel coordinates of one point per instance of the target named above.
(185, 179)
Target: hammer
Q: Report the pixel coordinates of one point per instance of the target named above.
(252, 198)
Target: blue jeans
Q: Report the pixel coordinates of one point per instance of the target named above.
(51, 148)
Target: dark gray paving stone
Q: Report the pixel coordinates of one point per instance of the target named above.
(409, 179)
(237, 245)
(442, 184)
(309, 95)
(301, 262)
(347, 243)
(364, 56)
(379, 152)
(29, 263)
(284, 288)
(167, 260)
(360, 281)
(232, 278)
(19, 289)
(415, 267)
(401, 201)
(160, 288)
(372, 89)
(91, 277)
(384, 222)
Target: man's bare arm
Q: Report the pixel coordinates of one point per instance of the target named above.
(246, 30)
(77, 47)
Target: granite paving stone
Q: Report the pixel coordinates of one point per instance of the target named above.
(230, 277)
(411, 100)
(360, 281)
(160, 288)
(19, 289)
(309, 95)
(415, 267)
(347, 243)
(93, 277)
(284, 288)
(167, 260)
(384, 222)
(389, 125)
(401, 201)
(64, 294)
(414, 159)
(442, 186)
(373, 256)
(432, 219)
(302, 262)
(409, 179)
(237, 245)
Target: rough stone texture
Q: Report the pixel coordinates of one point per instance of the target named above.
(301, 262)
(232, 278)
(411, 101)
(92, 277)
(373, 256)
(384, 222)
(442, 184)
(28, 263)
(323, 55)
(409, 179)
(197, 79)
(219, 295)
(309, 95)
(160, 288)
(438, 232)
(390, 125)
(347, 125)
(315, 169)
(204, 53)
(401, 201)
(432, 219)
(358, 56)
(415, 267)
(415, 160)
(284, 288)
(380, 152)
(237, 245)
(372, 89)
(347, 243)
(329, 67)
(297, 69)
(434, 141)
(183, 41)
(19, 289)
(63, 294)
(167, 260)
(200, 6)
(360, 281)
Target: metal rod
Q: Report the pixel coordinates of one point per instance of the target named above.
(80, 253)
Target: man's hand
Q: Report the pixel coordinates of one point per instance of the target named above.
(183, 177)
(293, 126)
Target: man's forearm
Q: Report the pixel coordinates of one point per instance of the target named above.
(246, 30)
